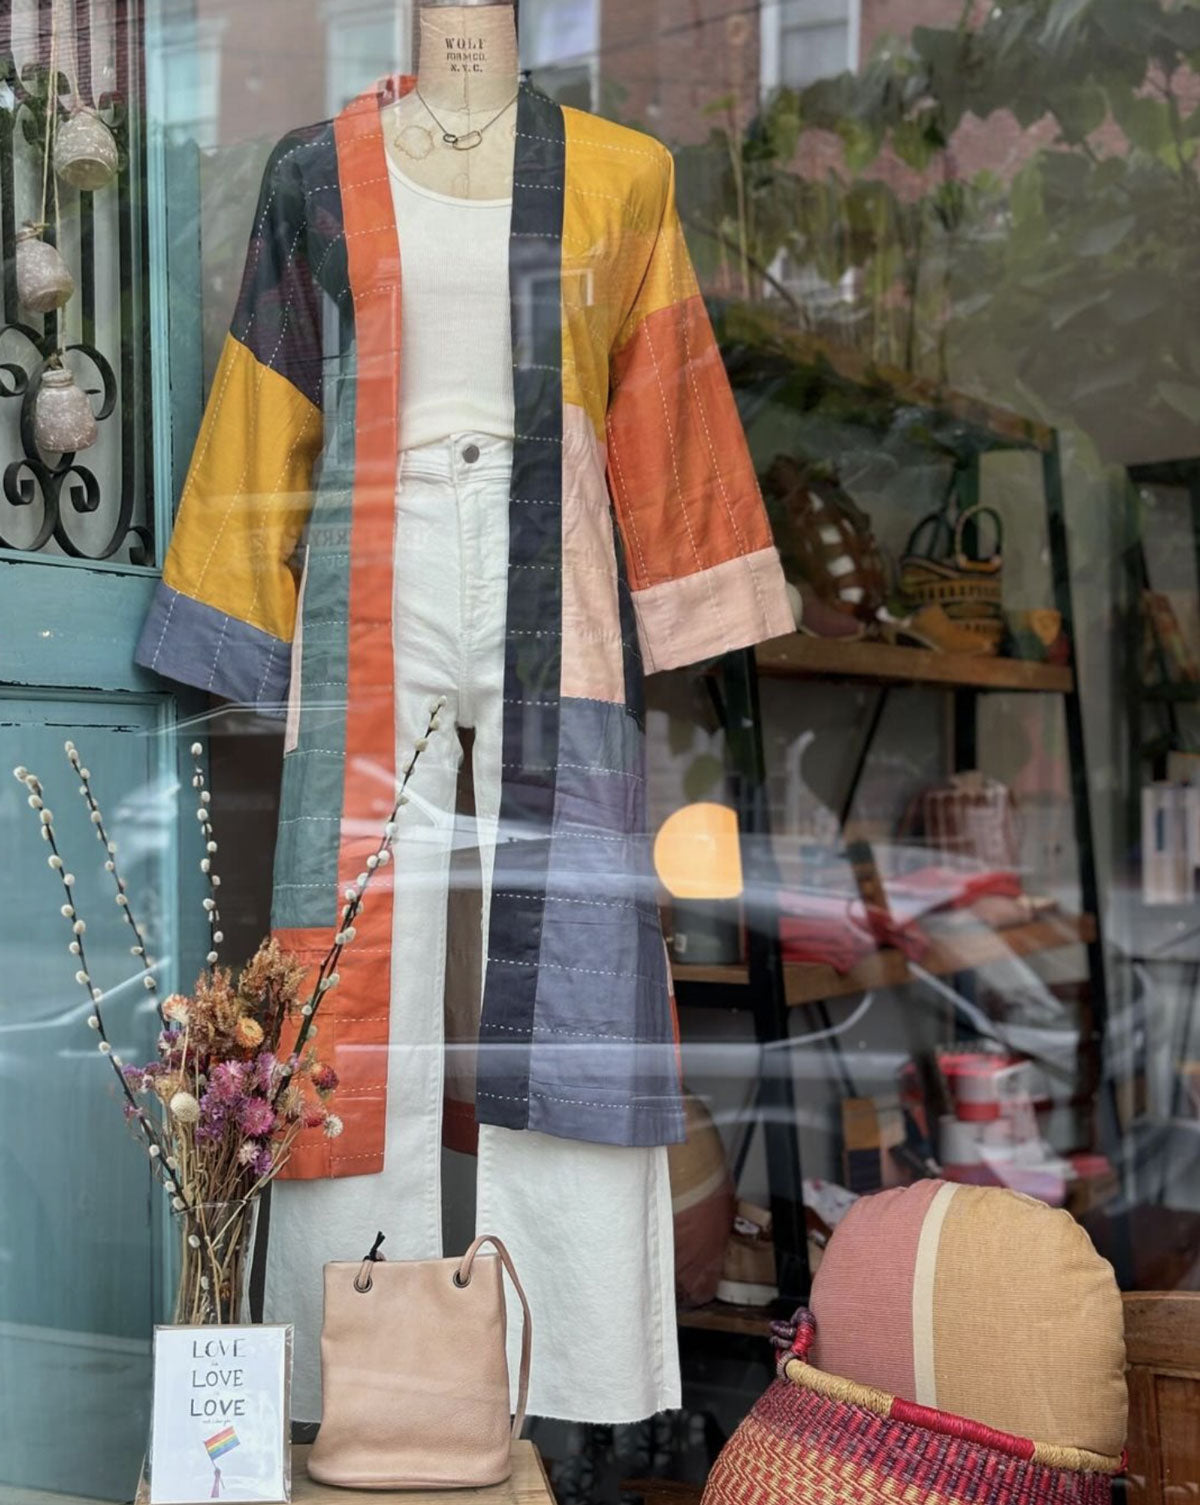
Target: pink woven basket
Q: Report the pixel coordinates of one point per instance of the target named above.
(817, 1439)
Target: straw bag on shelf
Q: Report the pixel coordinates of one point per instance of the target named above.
(938, 570)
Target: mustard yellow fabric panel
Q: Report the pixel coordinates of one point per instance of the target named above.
(622, 249)
(247, 495)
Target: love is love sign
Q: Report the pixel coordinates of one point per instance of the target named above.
(219, 1427)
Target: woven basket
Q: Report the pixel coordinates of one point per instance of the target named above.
(817, 1439)
(969, 591)
(826, 539)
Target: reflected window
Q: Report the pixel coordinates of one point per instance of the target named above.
(804, 40)
(560, 43)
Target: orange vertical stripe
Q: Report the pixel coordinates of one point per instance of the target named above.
(353, 1032)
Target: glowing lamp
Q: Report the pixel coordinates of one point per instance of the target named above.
(698, 858)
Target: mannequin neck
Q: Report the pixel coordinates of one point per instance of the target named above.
(468, 57)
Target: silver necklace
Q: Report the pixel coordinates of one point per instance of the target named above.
(469, 139)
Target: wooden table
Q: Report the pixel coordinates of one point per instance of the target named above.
(527, 1486)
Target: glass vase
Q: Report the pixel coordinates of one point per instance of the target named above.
(215, 1243)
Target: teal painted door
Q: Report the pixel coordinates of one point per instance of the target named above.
(85, 1243)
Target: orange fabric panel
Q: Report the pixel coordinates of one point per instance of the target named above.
(354, 1017)
(679, 468)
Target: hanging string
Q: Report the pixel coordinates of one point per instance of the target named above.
(51, 121)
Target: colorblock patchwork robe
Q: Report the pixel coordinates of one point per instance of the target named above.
(638, 542)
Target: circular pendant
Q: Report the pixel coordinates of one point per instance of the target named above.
(465, 143)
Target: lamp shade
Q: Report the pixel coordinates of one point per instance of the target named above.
(697, 855)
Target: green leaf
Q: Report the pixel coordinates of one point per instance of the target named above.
(1079, 110)
(1145, 122)
(1063, 17)
(1099, 240)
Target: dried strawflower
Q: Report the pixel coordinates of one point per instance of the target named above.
(257, 1117)
(176, 1008)
(248, 1033)
(324, 1078)
(185, 1107)
(333, 1126)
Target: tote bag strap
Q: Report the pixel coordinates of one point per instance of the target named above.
(463, 1276)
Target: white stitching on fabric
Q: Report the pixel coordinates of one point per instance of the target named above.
(716, 467)
(516, 893)
(605, 146)
(614, 450)
(212, 673)
(237, 491)
(578, 1034)
(616, 773)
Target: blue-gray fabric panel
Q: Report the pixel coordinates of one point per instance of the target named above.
(604, 1062)
(310, 815)
(533, 644)
(185, 640)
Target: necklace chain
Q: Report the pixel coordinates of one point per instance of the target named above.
(463, 142)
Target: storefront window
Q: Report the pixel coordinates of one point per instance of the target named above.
(654, 548)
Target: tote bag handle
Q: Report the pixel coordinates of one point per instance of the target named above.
(462, 1277)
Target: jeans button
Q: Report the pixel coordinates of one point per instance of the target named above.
(471, 453)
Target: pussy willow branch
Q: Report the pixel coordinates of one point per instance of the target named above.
(327, 976)
(204, 816)
(110, 866)
(154, 1144)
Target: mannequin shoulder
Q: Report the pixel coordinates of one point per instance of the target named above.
(301, 157)
(625, 157)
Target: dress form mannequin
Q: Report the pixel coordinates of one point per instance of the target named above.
(467, 75)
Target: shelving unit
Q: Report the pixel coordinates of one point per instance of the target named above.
(805, 983)
(801, 373)
(796, 656)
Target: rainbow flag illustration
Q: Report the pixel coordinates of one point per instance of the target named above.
(217, 1446)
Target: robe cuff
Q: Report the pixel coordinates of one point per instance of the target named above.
(735, 604)
(185, 640)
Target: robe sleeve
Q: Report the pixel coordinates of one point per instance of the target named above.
(223, 615)
(703, 569)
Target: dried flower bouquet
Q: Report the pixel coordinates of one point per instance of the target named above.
(237, 1075)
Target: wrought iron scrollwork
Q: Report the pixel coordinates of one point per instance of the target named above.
(64, 486)
(31, 476)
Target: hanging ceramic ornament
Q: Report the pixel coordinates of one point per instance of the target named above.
(85, 153)
(44, 280)
(63, 421)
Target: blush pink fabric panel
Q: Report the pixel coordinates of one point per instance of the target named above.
(862, 1296)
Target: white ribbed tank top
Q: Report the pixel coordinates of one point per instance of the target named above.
(456, 339)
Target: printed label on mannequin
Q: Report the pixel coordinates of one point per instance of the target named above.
(466, 54)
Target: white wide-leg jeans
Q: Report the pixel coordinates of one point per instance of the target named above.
(588, 1226)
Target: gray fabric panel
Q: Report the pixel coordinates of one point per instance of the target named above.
(586, 1115)
(604, 1062)
(185, 640)
(305, 891)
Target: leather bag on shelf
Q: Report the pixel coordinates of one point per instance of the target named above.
(414, 1372)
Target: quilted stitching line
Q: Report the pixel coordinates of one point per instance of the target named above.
(687, 522)
(713, 460)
